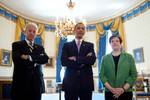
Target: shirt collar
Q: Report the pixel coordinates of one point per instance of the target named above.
(28, 42)
(76, 40)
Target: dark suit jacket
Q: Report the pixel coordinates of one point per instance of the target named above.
(27, 75)
(78, 74)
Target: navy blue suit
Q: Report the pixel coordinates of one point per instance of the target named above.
(78, 78)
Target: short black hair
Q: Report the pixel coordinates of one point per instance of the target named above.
(115, 36)
(78, 24)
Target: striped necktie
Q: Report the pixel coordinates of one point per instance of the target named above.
(31, 46)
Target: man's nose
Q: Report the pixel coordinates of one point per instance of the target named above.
(32, 33)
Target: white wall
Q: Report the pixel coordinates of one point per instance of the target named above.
(50, 48)
(7, 33)
(7, 36)
(50, 43)
(138, 35)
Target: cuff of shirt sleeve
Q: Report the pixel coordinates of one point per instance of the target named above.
(30, 58)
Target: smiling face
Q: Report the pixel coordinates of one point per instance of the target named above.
(79, 30)
(115, 43)
(30, 32)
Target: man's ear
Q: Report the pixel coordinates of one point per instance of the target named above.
(24, 32)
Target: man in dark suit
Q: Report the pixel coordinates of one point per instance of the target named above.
(28, 83)
(78, 56)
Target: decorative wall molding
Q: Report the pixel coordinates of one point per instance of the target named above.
(136, 11)
(7, 14)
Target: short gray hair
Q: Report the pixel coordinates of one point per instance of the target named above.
(31, 24)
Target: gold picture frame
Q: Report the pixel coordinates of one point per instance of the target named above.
(138, 55)
(5, 57)
(50, 62)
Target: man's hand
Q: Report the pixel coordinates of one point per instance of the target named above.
(89, 54)
(73, 58)
(25, 57)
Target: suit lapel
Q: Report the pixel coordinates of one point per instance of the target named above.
(35, 46)
(82, 47)
(26, 47)
(75, 47)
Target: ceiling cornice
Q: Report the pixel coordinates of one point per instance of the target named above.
(115, 14)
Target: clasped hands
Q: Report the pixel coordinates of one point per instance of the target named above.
(117, 92)
(73, 58)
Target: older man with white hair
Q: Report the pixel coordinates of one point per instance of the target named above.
(28, 83)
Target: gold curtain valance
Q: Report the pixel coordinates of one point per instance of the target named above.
(115, 25)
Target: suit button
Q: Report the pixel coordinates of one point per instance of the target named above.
(78, 71)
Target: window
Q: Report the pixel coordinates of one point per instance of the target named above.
(70, 38)
(108, 46)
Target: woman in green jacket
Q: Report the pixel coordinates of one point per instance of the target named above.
(118, 72)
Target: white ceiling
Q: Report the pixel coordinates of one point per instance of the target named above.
(90, 10)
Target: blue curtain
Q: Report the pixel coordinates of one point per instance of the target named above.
(101, 52)
(22, 36)
(58, 61)
(38, 40)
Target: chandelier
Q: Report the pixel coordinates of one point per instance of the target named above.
(65, 25)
